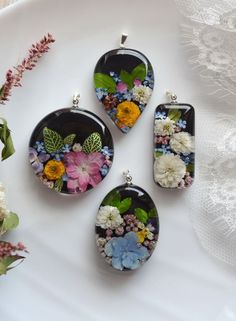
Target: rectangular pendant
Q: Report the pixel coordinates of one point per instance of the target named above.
(174, 150)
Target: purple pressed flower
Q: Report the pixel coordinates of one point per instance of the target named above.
(37, 160)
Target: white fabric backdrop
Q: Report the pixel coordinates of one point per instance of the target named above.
(63, 277)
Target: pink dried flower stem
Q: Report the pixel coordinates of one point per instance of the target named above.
(13, 77)
(8, 249)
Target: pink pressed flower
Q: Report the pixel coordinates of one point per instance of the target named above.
(83, 170)
(121, 87)
(137, 82)
(13, 78)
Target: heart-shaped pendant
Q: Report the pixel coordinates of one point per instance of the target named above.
(71, 150)
(127, 227)
(124, 81)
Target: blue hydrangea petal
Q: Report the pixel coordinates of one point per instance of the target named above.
(116, 263)
(142, 253)
(130, 261)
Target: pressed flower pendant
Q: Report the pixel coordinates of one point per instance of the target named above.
(71, 150)
(127, 227)
(174, 150)
(124, 81)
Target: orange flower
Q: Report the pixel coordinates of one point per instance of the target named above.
(127, 113)
(54, 170)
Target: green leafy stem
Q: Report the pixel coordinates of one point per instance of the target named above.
(6, 139)
(105, 81)
(123, 205)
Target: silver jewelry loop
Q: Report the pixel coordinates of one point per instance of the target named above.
(76, 99)
(124, 36)
(172, 96)
(127, 177)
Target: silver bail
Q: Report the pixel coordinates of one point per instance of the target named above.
(76, 99)
(172, 96)
(124, 36)
(127, 177)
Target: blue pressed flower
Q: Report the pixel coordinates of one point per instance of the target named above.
(66, 148)
(119, 96)
(112, 113)
(160, 115)
(187, 158)
(104, 170)
(58, 155)
(142, 107)
(101, 93)
(165, 149)
(114, 76)
(39, 146)
(125, 129)
(128, 96)
(181, 123)
(107, 151)
(65, 177)
(126, 252)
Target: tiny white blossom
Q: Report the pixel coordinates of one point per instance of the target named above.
(182, 142)
(109, 217)
(142, 94)
(169, 169)
(164, 127)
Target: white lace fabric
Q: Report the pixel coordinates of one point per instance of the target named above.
(210, 33)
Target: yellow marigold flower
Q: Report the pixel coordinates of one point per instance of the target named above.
(54, 170)
(127, 113)
(142, 235)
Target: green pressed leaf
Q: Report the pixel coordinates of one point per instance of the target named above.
(174, 114)
(112, 199)
(141, 215)
(92, 144)
(105, 81)
(139, 72)
(5, 137)
(124, 205)
(190, 168)
(1, 90)
(127, 79)
(52, 140)
(69, 139)
(58, 185)
(152, 213)
(157, 154)
(10, 222)
(7, 261)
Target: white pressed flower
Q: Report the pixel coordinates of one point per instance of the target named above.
(164, 127)
(182, 142)
(77, 147)
(142, 93)
(3, 206)
(109, 217)
(101, 241)
(169, 169)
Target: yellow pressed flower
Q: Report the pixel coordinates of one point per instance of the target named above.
(142, 235)
(54, 170)
(127, 113)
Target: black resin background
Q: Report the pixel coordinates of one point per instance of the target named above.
(121, 59)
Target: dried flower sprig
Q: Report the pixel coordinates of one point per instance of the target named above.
(13, 77)
(9, 253)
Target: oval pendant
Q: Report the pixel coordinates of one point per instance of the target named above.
(71, 150)
(127, 227)
(124, 81)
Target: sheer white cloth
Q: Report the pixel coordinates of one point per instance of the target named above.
(210, 34)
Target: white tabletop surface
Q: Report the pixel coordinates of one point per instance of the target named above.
(64, 278)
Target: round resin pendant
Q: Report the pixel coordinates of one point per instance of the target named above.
(71, 150)
(124, 81)
(127, 227)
